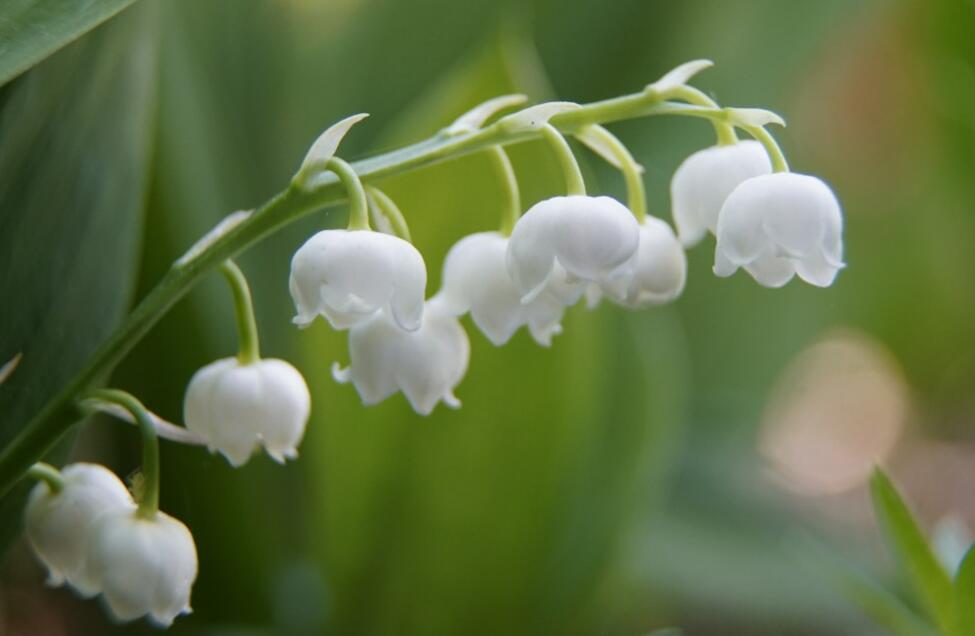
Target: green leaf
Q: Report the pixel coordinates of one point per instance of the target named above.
(965, 595)
(929, 580)
(31, 30)
(74, 139)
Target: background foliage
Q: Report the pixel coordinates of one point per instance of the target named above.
(617, 483)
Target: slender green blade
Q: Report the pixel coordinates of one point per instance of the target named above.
(74, 143)
(31, 30)
(927, 577)
(965, 595)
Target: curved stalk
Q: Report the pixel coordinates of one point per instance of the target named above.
(779, 162)
(358, 205)
(41, 433)
(509, 184)
(636, 193)
(149, 499)
(725, 132)
(250, 350)
(574, 183)
(50, 475)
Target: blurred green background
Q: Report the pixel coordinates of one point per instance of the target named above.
(677, 467)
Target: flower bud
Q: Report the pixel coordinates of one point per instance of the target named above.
(590, 237)
(705, 179)
(655, 274)
(778, 225)
(348, 276)
(58, 525)
(426, 364)
(143, 566)
(476, 279)
(236, 407)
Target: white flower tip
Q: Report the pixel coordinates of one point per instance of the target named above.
(474, 119)
(451, 400)
(534, 117)
(328, 142)
(679, 76)
(755, 117)
(340, 375)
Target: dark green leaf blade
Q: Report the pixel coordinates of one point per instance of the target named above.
(74, 140)
(921, 567)
(31, 30)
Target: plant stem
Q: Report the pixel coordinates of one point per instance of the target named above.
(574, 183)
(636, 193)
(509, 185)
(41, 433)
(50, 475)
(149, 500)
(358, 205)
(250, 350)
(779, 162)
(388, 208)
(725, 132)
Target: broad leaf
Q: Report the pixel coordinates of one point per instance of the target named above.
(31, 30)
(927, 577)
(965, 595)
(74, 137)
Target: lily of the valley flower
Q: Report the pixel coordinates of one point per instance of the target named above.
(59, 524)
(349, 276)
(143, 565)
(476, 279)
(775, 226)
(426, 364)
(236, 407)
(704, 180)
(654, 275)
(591, 238)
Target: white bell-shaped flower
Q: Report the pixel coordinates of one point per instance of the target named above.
(426, 364)
(704, 180)
(591, 238)
(778, 225)
(348, 276)
(58, 525)
(236, 407)
(656, 273)
(476, 279)
(143, 565)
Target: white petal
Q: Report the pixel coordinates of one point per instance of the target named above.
(348, 276)
(372, 347)
(659, 268)
(702, 183)
(593, 236)
(531, 251)
(815, 269)
(771, 270)
(59, 525)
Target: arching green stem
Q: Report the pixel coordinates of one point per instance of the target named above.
(358, 205)
(149, 500)
(388, 208)
(636, 193)
(779, 162)
(250, 350)
(509, 186)
(574, 184)
(48, 474)
(724, 131)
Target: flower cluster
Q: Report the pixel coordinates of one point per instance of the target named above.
(89, 533)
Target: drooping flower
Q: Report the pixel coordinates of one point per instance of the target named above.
(426, 364)
(59, 524)
(143, 565)
(704, 180)
(476, 279)
(348, 276)
(778, 225)
(591, 238)
(237, 407)
(654, 275)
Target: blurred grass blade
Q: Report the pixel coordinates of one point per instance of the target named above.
(965, 595)
(928, 578)
(31, 30)
(880, 605)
